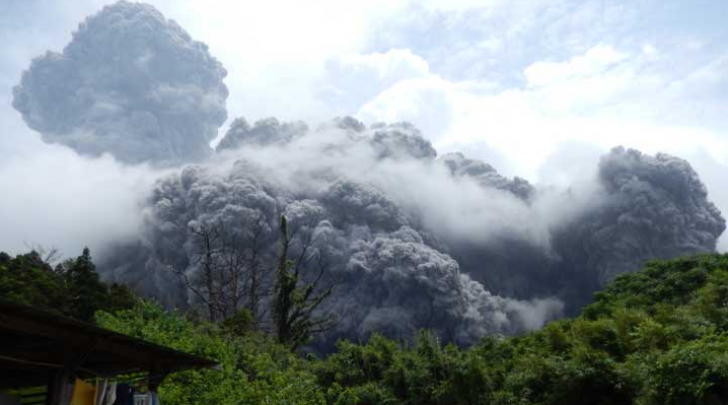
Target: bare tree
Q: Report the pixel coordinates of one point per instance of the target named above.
(229, 273)
(49, 255)
(205, 285)
(232, 274)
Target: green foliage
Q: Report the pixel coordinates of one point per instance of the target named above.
(121, 297)
(693, 372)
(28, 280)
(670, 283)
(653, 337)
(86, 292)
(72, 288)
(659, 336)
(240, 323)
(383, 371)
(295, 300)
(254, 369)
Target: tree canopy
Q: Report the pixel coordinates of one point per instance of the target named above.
(72, 288)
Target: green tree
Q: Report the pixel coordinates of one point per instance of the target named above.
(72, 288)
(254, 369)
(120, 297)
(240, 324)
(27, 279)
(692, 373)
(295, 301)
(87, 293)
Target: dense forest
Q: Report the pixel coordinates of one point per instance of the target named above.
(657, 336)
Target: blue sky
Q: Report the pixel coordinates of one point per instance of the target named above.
(538, 88)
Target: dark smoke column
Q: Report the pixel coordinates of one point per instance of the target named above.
(130, 83)
(653, 208)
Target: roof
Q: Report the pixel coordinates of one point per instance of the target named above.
(34, 343)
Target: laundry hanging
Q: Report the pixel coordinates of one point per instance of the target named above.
(124, 394)
(110, 394)
(101, 387)
(152, 398)
(83, 393)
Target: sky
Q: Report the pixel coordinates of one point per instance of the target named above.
(538, 88)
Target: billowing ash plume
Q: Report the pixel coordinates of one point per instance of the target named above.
(390, 275)
(410, 240)
(401, 139)
(642, 208)
(370, 196)
(265, 132)
(655, 207)
(130, 83)
(397, 284)
(486, 175)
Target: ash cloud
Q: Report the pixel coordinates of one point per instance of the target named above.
(394, 274)
(265, 132)
(486, 175)
(401, 139)
(400, 284)
(655, 207)
(416, 240)
(130, 83)
(442, 243)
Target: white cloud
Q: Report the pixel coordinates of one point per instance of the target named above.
(575, 100)
(54, 198)
(424, 101)
(384, 68)
(592, 63)
(277, 49)
(353, 79)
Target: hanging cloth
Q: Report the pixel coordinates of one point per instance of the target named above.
(67, 393)
(152, 398)
(83, 393)
(101, 388)
(124, 395)
(110, 394)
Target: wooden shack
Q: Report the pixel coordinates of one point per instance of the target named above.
(43, 349)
